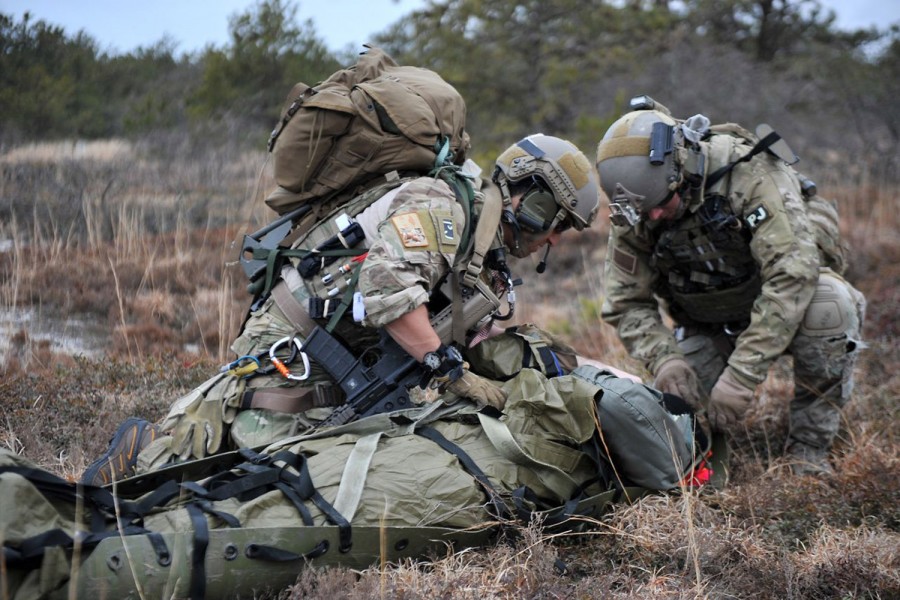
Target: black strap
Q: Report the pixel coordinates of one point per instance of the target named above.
(760, 146)
(494, 499)
(163, 557)
(274, 554)
(303, 484)
(97, 500)
(227, 518)
(158, 497)
(198, 555)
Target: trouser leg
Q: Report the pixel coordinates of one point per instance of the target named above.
(706, 351)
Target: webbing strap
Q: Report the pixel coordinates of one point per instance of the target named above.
(225, 517)
(198, 553)
(298, 487)
(353, 479)
(291, 307)
(98, 501)
(346, 299)
(502, 438)
(275, 554)
(485, 234)
(163, 556)
(525, 494)
(760, 146)
(502, 511)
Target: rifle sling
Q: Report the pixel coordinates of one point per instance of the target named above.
(295, 312)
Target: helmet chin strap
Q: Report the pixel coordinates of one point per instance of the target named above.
(509, 218)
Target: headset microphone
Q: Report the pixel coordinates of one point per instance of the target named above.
(542, 266)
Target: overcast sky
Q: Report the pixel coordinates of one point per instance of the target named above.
(122, 25)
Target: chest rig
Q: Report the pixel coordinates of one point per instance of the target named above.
(705, 259)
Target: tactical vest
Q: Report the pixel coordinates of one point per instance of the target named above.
(323, 282)
(705, 259)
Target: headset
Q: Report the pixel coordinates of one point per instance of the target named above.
(538, 210)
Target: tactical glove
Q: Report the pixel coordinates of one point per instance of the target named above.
(196, 423)
(479, 389)
(676, 376)
(728, 401)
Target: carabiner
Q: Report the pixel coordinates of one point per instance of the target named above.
(235, 369)
(281, 367)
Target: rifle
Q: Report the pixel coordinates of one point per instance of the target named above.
(376, 382)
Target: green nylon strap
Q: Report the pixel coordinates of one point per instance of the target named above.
(346, 299)
(465, 195)
(505, 443)
(353, 479)
(274, 257)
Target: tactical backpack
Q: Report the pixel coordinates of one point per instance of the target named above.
(364, 121)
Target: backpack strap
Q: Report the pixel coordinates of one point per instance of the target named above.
(353, 479)
(502, 439)
(764, 144)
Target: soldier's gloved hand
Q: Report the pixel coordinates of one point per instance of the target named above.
(477, 388)
(675, 376)
(196, 424)
(728, 401)
(449, 372)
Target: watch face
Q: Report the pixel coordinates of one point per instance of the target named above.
(432, 360)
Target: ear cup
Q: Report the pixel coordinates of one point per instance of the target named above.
(537, 209)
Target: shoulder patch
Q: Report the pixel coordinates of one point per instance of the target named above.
(756, 217)
(625, 261)
(409, 228)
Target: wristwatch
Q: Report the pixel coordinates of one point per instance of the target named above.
(444, 361)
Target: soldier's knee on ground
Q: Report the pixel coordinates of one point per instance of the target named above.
(828, 340)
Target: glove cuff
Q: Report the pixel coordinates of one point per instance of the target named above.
(737, 378)
(657, 365)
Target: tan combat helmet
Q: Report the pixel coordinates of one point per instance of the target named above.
(636, 161)
(565, 189)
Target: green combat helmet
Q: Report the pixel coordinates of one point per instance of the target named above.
(563, 188)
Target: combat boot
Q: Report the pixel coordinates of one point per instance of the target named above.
(119, 460)
(808, 460)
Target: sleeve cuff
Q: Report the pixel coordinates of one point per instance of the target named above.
(383, 309)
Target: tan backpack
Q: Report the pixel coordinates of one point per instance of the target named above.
(362, 122)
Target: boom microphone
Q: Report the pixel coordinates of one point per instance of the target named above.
(542, 266)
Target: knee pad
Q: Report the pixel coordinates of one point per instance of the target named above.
(834, 309)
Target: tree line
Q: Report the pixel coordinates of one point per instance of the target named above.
(565, 67)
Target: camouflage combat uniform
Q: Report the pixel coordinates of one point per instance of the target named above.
(742, 277)
(412, 235)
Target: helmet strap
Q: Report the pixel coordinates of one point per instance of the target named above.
(509, 217)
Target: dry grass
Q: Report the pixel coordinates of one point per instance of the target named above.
(144, 248)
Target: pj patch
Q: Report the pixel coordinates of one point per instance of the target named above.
(755, 218)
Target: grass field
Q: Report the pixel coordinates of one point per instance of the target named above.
(138, 242)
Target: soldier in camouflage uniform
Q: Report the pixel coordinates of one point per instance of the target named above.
(540, 187)
(712, 225)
